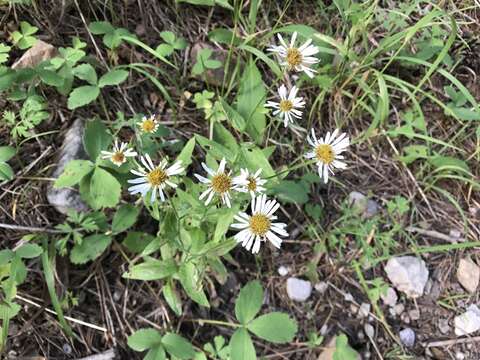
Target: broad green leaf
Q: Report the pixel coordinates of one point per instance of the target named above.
(100, 27)
(156, 353)
(5, 256)
(104, 189)
(86, 72)
(223, 223)
(178, 346)
(466, 114)
(8, 311)
(241, 346)
(448, 162)
(6, 172)
(74, 172)
(82, 95)
(96, 138)
(275, 327)
(152, 269)
(249, 302)
(91, 247)
(136, 241)
(168, 37)
(29, 251)
(234, 118)
(173, 300)
(251, 100)
(6, 153)
(343, 351)
(144, 339)
(51, 78)
(124, 218)
(190, 280)
(255, 159)
(185, 155)
(224, 36)
(413, 152)
(291, 191)
(224, 137)
(113, 77)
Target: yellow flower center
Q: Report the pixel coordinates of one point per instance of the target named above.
(148, 125)
(325, 154)
(118, 157)
(157, 177)
(294, 57)
(285, 105)
(221, 183)
(259, 224)
(252, 184)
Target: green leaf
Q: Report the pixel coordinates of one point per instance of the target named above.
(223, 223)
(224, 36)
(414, 152)
(104, 189)
(291, 191)
(249, 302)
(136, 241)
(250, 101)
(74, 172)
(235, 119)
(172, 298)
(168, 37)
(113, 77)
(152, 269)
(343, 351)
(91, 247)
(29, 251)
(178, 346)
(190, 280)
(85, 72)
(5, 256)
(124, 218)
(6, 172)
(96, 138)
(448, 162)
(100, 27)
(255, 158)
(466, 114)
(6, 153)
(275, 327)
(185, 155)
(144, 339)
(241, 346)
(224, 137)
(156, 353)
(82, 96)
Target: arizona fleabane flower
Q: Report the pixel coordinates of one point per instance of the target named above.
(250, 182)
(119, 154)
(288, 105)
(298, 59)
(259, 226)
(219, 183)
(149, 124)
(326, 151)
(154, 178)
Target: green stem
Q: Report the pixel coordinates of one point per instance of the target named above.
(217, 322)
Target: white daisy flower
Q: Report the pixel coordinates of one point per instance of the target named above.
(119, 154)
(288, 105)
(298, 59)
(327, 152)
(220, 183)
(259, 226)
(250, 182)
(155, 178)
(149, 125)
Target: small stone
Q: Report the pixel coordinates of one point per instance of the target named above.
(407, 337)
(321, 287)
(408, 274)
(468, 322)
(369, 330)
(443, 326)
(283, 270)
(362, 205)
(455, 235)
(298, 289)
(348, 297)
(364, 310)
(414, 314)
(67, 349)
(468, 275)
(459, 356)
(390, 297)
(353, 309)
(399, 309)
(324, 330)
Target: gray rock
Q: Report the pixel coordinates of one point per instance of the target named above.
(468, 275)
(407, 337)
(364, 310)
(298, 289)
(399, 309)
(361, 204)
(414, 314)
(283, 270)
(443, 326)
(369, 330)
(390, 298)
(66, 199)
(321, 287)
(408, 274)
(468, 322)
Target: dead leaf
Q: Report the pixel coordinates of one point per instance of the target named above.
(39, 52)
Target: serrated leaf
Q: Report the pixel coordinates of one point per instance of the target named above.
(178, 346)
(124, 218)
(241, 346)
(74, 172)
(82, 96)
(91, 247)
(144, 339)
(85, 72)
(104, 189)
(113, 77)
(249, 302)
(275, 327)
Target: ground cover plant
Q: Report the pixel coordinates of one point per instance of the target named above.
(229, 179)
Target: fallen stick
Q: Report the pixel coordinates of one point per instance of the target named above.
(107, 355)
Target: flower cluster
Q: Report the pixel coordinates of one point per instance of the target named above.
(260, 226)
